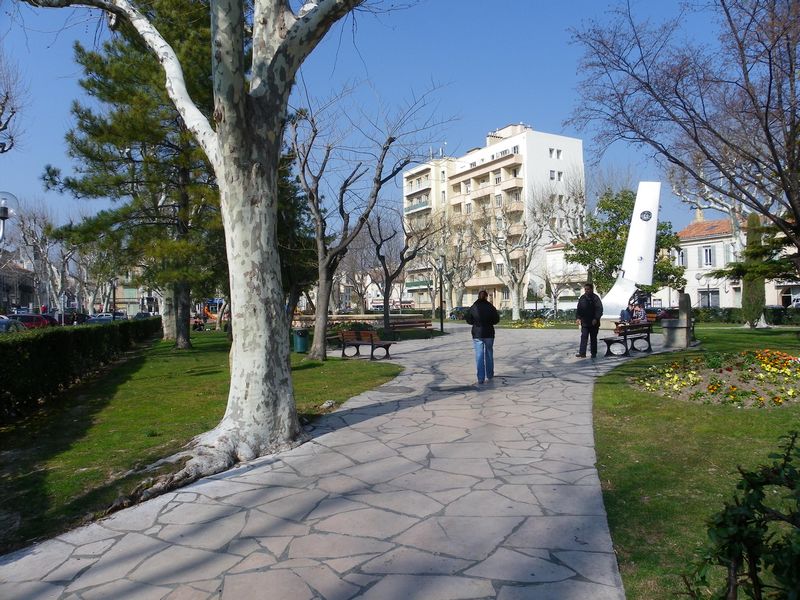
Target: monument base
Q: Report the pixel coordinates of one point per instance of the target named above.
(678, 333)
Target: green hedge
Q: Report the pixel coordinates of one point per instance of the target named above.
(38, 364)
(774, 315)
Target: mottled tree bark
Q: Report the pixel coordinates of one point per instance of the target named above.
(168, 315)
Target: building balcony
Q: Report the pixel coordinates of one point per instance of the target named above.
(416, 207)
(484, 280)
(514, 206)
(507, 160)
(418, 283)
(512, 183)
(411, 190)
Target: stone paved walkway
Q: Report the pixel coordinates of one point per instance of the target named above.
(428, 487)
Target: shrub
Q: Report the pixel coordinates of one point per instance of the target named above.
(40, 363)
(755, 540)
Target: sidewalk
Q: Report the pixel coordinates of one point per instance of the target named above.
(428, 487)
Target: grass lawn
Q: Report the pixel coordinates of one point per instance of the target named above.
(72, 460)
(666, 466)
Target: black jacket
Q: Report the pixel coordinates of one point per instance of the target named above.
(483, 317)
(589, 308)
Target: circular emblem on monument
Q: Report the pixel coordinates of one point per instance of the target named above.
(646, 215)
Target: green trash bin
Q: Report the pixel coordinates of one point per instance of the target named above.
(301, 340)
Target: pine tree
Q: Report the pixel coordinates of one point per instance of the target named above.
(135, 148)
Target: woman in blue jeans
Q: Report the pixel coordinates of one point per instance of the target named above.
(483, 317)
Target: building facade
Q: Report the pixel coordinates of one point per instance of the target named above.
(495, 183)
(708, 245)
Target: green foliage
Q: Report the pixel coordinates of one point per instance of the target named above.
(132, 145)
(664, 462)
(296, 238)
(753, 281)
(602, 247)
(764, 256)
(755, 539)
(66, 354)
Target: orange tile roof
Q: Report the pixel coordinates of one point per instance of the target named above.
(704, 229)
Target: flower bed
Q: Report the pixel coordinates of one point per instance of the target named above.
(750, 379)
(531, 324)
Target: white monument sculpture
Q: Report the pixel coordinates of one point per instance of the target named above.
(640, 249)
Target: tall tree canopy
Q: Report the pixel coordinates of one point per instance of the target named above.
(258, 49)
(725, 116)
(602, 247)
(12, 101)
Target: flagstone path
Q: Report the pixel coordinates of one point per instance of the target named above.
(430, 487)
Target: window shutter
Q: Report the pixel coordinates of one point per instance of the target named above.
(713, 256)
(700, 256)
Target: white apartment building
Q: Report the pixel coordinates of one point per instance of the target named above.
(502, 177)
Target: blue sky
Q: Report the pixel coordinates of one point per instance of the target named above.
(498, 62)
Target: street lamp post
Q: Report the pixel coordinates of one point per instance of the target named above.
(114, 299)
(440, 265)
(4, 212)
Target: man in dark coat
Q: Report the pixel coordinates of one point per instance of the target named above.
(590, 309)
(483, 317)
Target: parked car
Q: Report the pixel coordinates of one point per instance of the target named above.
(30, 321)
(11, 326)
(99, 319)
(51, 320)
(142, 315)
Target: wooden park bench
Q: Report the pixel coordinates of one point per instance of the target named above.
(412, 324)
(627, 334)
(356, 339)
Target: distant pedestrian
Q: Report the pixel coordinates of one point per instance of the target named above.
(590, 310)
(483, 317)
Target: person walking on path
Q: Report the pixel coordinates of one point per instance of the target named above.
(590, 309)
(483, 317)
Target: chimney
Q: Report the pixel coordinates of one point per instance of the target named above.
(699, 217)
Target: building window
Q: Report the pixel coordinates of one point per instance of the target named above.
(498, 199)
(467, 187)
(441, 176)
(552, 152)
(515, 149)
(444, 198)
(552, 175)
(499, 269)
(506, 294)
(558, 154)
(473, 165)
(468, 209)
(707, 256)
(708, 298)
(680, 259)
(561, 198)
(561, 175)
(497, 177)
(515, 196)
(515, 172)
